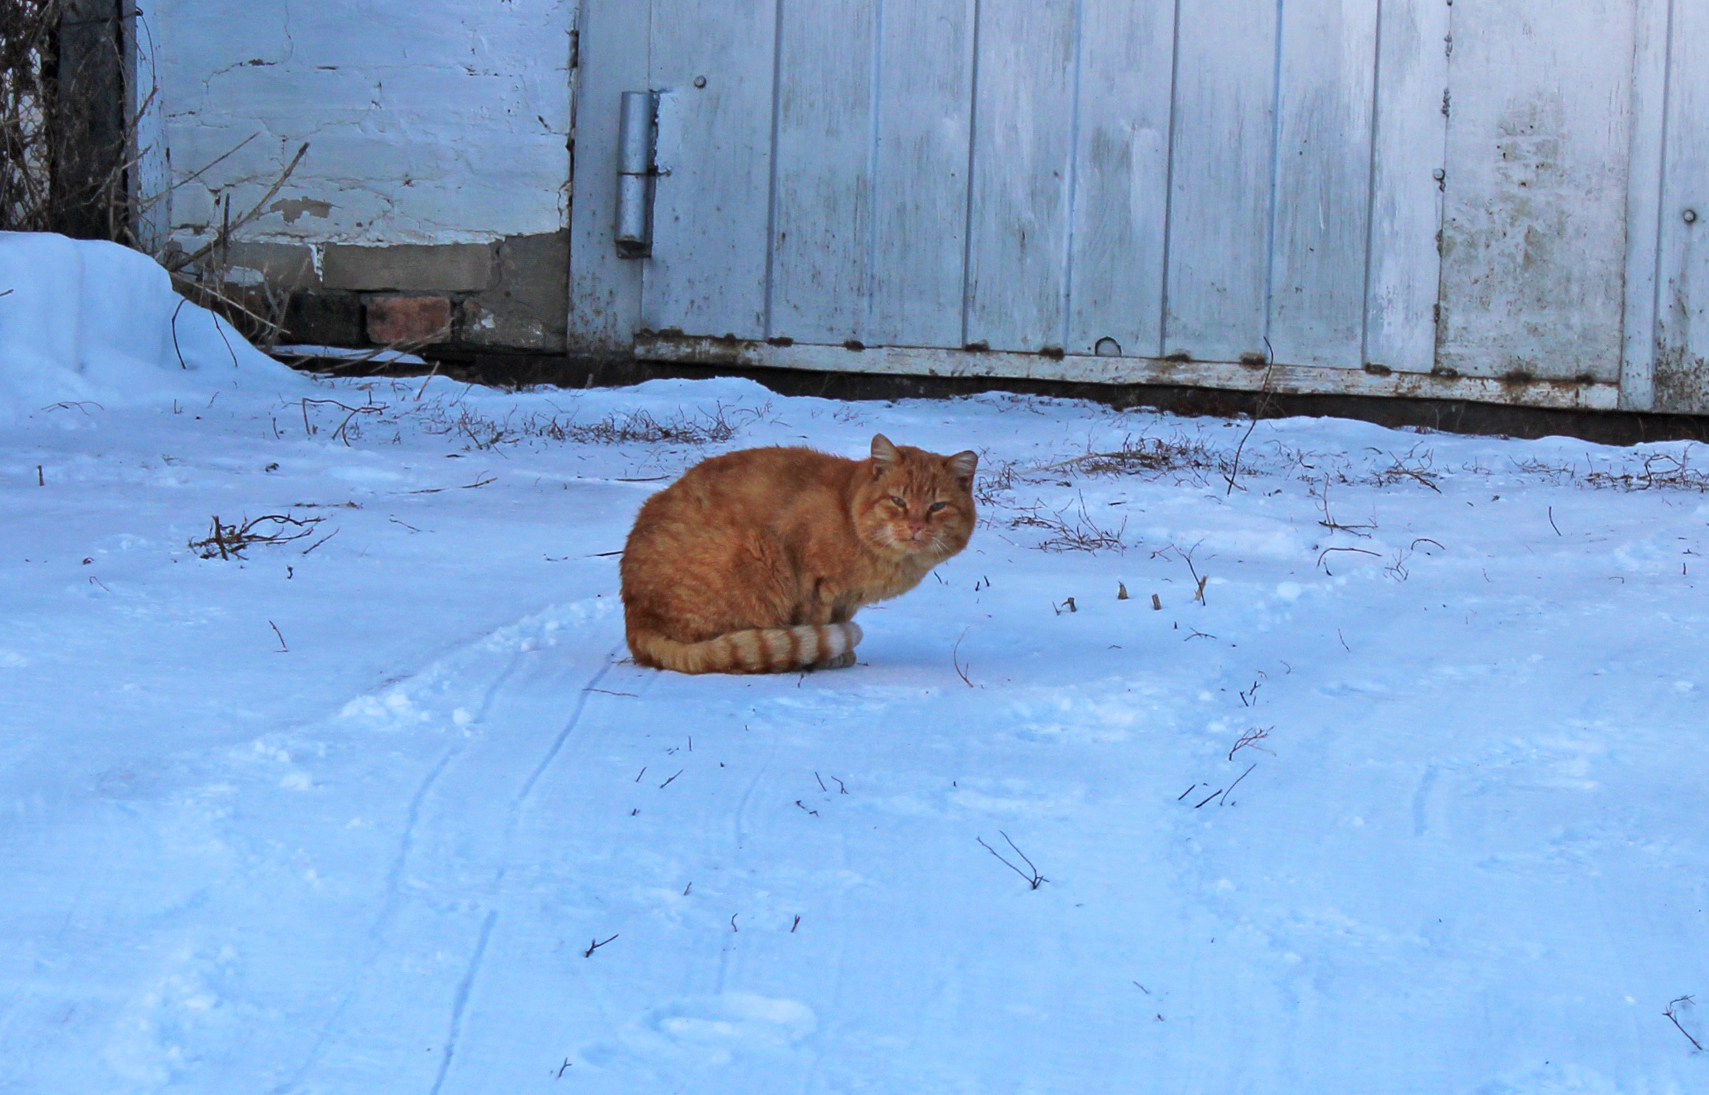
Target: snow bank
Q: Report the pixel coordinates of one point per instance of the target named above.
(86, 320)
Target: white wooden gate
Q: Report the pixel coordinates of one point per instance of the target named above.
(1490, 199)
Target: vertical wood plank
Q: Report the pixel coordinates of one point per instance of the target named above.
(925, 102)
(1534, 222)
(1643, 204)
(1323, 182)
(1220, 179)
(605, 290)
(1682, 307)
(1121, 177)
(712, 212)
(1022, 144)
(823, 221)
(1409, 147)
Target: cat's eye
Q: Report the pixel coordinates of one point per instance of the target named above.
(899, 503)
(935, 506)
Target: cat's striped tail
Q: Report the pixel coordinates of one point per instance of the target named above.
(761, 650)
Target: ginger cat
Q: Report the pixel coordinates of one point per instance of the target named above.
(754, 561)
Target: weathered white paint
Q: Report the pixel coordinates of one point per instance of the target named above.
(1121, 180)
(822, 225)
(1372, 191)
(605, 290)
(1321, 194)
(916, 268)
(1219, 201)
(711, 223)
(1682, 285)
(1022, 163)
(1284, 379)
(1408, 156)
(1534, 239)
(428, 122)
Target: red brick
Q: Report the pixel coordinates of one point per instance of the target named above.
(419, 320)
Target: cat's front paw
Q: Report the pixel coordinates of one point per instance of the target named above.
(841, 661)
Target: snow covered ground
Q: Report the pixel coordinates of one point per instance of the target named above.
(1411, 802)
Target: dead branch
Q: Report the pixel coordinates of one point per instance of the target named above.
(1326, 551)
(1672, 1004)
(1257, 413)
(231, 541)
(1033, 878)
(1251, 738)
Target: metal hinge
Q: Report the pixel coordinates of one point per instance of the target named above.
(637, 136)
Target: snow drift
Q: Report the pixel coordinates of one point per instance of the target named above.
(88, 320)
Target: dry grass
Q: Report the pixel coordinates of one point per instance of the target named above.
(1153, 458)
(1075, 532)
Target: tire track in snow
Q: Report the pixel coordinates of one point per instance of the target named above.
(460, 999)
(376, 931)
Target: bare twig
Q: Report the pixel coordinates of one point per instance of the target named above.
(283, 649)
(1236, 783)
(595, 945)
(668, 782)
(1332, 524)
(231, 541)
(1251, 738)
(955, 660)
(1326, 551)
(1257, 413)
(1033, 878)
(1672, 1004)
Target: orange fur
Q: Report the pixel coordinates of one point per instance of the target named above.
(755, 561)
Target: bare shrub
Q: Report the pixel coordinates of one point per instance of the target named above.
(231, 541)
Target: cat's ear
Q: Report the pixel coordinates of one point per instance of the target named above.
(883, 451)
(962, 465)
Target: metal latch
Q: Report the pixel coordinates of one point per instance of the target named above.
(637, 135)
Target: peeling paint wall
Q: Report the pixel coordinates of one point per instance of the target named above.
(427, 123)
(1534, 232)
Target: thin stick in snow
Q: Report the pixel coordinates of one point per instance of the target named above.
(283, 649)
(1198, 596)
(955, 656)
(1558, 532)
(1326, 552)
(1257, 413)
(1252, 737)
(667, 782)
(1235, 784)
(595, 945)
(1675, 1020)
(1034, 879)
